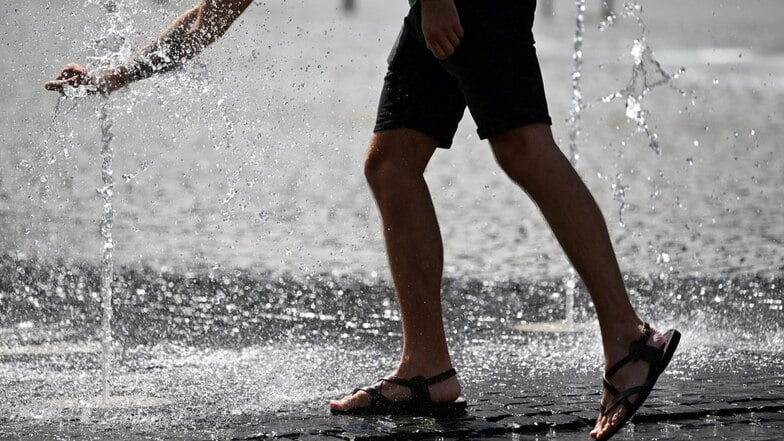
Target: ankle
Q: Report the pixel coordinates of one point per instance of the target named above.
(616, 341)
(412, 366)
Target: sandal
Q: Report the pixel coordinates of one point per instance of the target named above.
(639, 350)
(419, 404)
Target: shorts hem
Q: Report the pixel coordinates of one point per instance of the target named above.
(498, 129)
(442, 141)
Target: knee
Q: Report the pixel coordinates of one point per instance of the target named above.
(511, 160)
(382, 168)
(374, 166)
(390, 160)
(516, 160)
(526, 154)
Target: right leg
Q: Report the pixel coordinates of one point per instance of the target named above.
(394, 165)
(419, 109)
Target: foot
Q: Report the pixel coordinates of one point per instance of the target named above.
(630, 375)
(442, 392)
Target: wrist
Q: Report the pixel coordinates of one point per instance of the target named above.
(110, 79)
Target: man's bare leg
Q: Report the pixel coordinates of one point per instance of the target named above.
(531, 158)
(394, 165)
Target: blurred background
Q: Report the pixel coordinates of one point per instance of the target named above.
(251, 156)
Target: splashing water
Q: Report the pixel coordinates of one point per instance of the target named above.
(647, 74)
(107, 259)
(619, 195)
(577, 93)
(112, 41)
(229, 349)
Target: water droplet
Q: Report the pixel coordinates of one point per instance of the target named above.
(696, 143)
(690, 161)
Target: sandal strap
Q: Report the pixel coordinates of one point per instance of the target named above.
(419, 384)
(623, 398)
(376, 398)
(607, 385)
(638, 350)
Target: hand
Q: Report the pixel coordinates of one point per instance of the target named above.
(76, 78)
(72, 76)
(441, 27)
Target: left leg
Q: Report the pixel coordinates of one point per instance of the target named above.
(531, 158)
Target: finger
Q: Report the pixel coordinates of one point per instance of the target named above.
(55, 85)
(446, 47)
(59, 84)
(436, 49)
(433, 46)
(459, 30)
(453, 39)
(73, 67)
(70, 73)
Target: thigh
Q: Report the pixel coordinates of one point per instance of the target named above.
(496, 65)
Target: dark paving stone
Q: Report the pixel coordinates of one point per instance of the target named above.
(690, 401)
(455, 428)
(770, 417)
(250, 437)
(317, 438)
(526, 410)
(529, 398)
(525, 424)
(364, 434)
(658, 402)
(563, 409)
(684, 412)
(762, 406)
(649, 414)
(735, 419)
(564, 422)
(589, 416)
(490, 415)
(719, 408)
(487, 428)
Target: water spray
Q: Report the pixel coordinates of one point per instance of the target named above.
(577, 92)
(107, 257)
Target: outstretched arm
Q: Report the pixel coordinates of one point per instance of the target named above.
(186, 36)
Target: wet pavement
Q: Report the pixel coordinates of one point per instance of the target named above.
(732, 407)
(256, 356)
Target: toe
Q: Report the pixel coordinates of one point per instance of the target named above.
(359, 399)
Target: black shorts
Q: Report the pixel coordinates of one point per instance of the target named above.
(494, 71)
